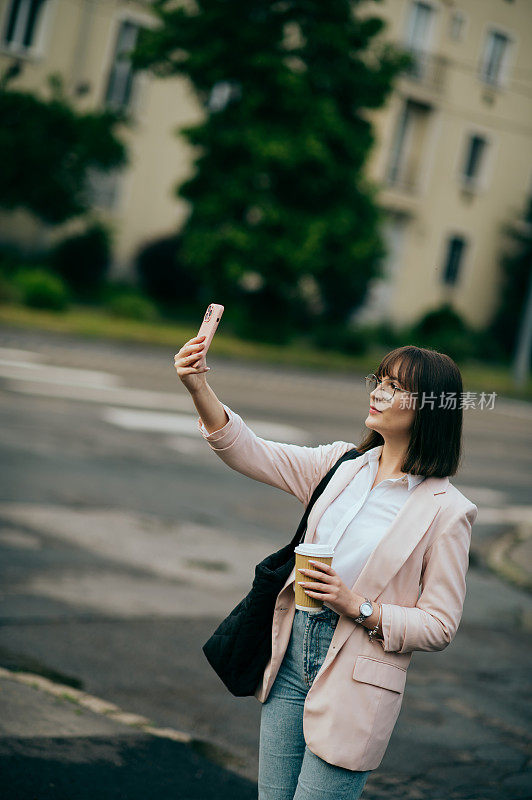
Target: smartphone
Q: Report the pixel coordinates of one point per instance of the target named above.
(208, 327)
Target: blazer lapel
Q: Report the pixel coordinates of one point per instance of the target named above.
(410, 524)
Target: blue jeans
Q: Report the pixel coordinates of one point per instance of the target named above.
(288, 770)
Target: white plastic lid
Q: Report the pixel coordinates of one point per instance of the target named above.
(313, 549)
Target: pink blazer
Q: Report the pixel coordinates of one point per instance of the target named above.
(417, 571)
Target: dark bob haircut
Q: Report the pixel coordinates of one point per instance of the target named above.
(435, 447)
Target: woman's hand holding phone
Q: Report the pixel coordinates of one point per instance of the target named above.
(190, 364)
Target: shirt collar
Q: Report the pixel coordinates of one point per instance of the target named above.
(374, 454)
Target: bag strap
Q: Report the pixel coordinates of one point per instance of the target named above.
(302, 527)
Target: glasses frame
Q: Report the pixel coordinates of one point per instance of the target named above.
(386, 396)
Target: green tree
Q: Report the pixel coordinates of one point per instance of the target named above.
(279, 189)
(516, 274)
(47, 147)
(516, 266)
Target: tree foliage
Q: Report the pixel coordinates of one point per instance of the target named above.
(47, 148)
(83, 260)
(278, 197)
(516, 271)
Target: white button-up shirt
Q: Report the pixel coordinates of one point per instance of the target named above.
(355, 522)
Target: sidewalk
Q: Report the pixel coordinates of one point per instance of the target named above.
(57, 743)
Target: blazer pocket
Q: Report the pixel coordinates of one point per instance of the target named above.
(379, 673)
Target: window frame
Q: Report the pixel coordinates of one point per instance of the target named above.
(507, 59)
(407, 26)
(42, 32)
(399, 180)
(128, 90)
(474, 158)
(448, 237)
(475, 179)
(138, 98)
(482, 182)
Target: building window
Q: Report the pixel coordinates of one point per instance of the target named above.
(398, 146)
(408, 146)
(121, 77)
(22, 23)
(494, 58)
(419, 25)
(457, 26)
(417, 38)
(474, 157)
(379, 303)
(456, 247)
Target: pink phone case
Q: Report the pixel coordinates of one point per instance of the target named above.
(208, 327)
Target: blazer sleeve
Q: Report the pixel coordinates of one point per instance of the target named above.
(433, 622)
(295, 469)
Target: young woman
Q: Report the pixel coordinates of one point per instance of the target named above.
(333, 688)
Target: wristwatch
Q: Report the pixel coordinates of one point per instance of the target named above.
(366, 610)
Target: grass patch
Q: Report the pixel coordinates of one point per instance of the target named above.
(70, 698)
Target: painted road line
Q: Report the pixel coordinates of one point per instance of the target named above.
(482, 495)
(13, 354)
(187, 424)
(511, 515)
(189, 446)
(45, 373)
(106, 395)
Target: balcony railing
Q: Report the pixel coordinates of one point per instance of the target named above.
(402, 183)
(427, 69)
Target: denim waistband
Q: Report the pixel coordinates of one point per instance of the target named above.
(322, 613)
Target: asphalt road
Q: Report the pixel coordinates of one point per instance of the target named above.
(125, 540)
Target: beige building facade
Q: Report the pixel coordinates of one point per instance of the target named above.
(453, 154)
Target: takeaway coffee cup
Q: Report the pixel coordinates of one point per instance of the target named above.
(303, 553)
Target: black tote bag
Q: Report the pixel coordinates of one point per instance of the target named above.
(241, 646)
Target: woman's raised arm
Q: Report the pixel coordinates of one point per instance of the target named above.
(293, 468)
(188, 365)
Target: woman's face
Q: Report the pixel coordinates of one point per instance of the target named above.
(393, 419)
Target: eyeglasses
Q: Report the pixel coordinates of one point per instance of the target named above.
(387, 393)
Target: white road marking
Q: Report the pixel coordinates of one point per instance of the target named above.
(92, 386)
(24, 374)
(142, 398)
(189, 447)
(45, 373)
(20, 540)
(507, 514)
(481, 495)
(188, 425)
(151, 421)
(12, 354)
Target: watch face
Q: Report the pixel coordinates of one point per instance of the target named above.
(366, 609)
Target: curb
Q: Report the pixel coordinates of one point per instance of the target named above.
(204, 747)
(502, 559)
(97, 705)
